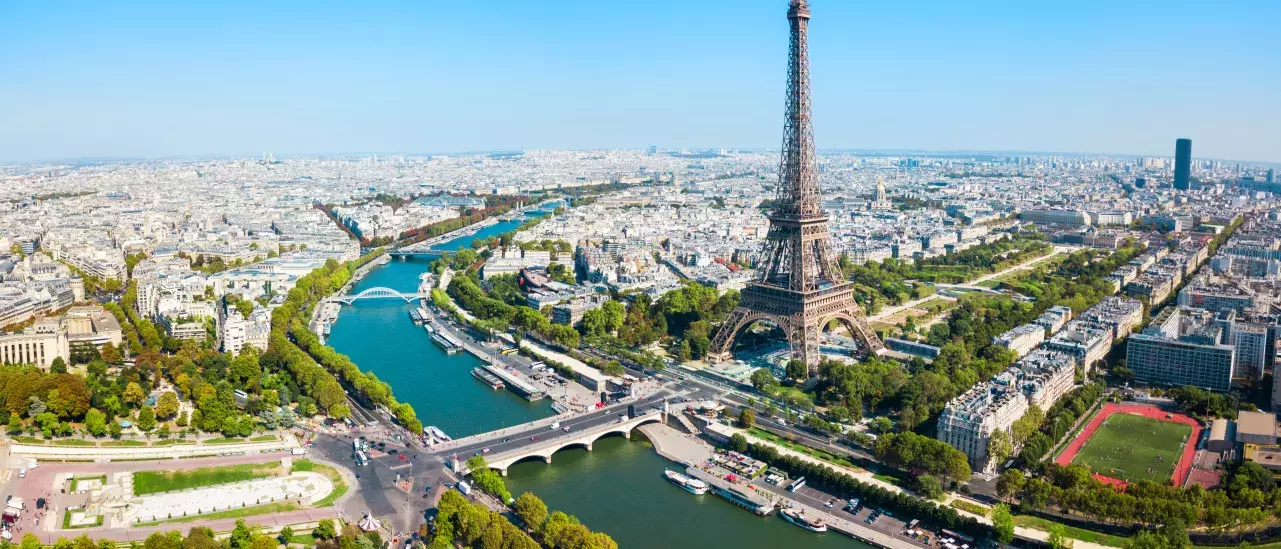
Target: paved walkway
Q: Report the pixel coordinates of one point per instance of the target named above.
(675, 445)
(42, 452)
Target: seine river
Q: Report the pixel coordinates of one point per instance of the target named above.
(616, 489)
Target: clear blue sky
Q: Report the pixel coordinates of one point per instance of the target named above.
(227, 77)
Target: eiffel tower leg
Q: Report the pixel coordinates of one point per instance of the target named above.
(812, 354)
(723, 341)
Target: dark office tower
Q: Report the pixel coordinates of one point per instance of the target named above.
(1271, 175)
(1182, 163)
(1140, 182)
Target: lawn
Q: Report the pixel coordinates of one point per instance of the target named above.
(74, 442)
(970, 507)
(75, 482)
(264, 438)
(224, 441)
(1134, 448)
(66, 521)
(340, 485)
(1070, 531)
(152, 482)
(113, 443)
(28, 440)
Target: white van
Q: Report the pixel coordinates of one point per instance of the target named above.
(555, 425)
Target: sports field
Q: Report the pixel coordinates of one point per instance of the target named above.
(1133, 448)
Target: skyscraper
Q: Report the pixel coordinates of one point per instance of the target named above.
(1182, 163)
(1271, 175)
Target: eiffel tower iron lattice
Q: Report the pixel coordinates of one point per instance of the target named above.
(799, 284)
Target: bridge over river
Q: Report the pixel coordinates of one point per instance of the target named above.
(376, 293)
(540, 439)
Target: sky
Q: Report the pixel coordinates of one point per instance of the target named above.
(150, 79)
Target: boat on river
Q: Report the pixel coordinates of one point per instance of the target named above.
(490, 379)
(797, 517)
(691, 485)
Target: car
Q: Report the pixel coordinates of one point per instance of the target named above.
(391, 451)
(533, 439)
(507, 439)
(484, 450)
(402, 457)
(829, 504)
(357, 476)
(566, 428)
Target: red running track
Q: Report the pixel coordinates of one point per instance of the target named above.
(1146, 410)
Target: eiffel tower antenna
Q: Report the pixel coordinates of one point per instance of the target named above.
(799, 286)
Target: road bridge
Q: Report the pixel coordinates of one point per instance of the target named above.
(376, 293)
(555, 440)
(511, 444)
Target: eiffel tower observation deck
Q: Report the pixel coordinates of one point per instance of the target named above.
(799, 285)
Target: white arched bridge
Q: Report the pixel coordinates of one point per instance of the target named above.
(376, 293)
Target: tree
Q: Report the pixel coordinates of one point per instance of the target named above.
(1058, 537)
(738, 443)
(796, 370)
(613, 368)
(15, 424)
(747, 418)
(531, 510)
(340, 411)
(146, 419)
(133, 394)
(182, 419)
(1145, 539)
(241, 535)
(114, 429)
(324, 530)
(30, 541)
(286, 535)
(999, 446)
(763, 380)
(167, 405)
(96, 422)
(1176, 534)
(929, 486)
(58, 366)
(1009, 483)
(110, 354)
(260, 541)
(1002, 523)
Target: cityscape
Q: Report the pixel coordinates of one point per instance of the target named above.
(592, 347)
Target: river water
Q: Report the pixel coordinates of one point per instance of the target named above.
(616, 489)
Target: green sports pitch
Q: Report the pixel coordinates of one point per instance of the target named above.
(1134, 448)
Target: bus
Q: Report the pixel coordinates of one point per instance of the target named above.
(796, 484)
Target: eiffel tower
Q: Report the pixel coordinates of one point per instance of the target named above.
(799, 285)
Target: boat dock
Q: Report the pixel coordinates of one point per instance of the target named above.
(515, 382)
(741, 494)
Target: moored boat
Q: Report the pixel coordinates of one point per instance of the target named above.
(489, 379)
(798, 518)
(691, 485)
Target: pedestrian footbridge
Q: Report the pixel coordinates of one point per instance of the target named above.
(544, 447)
